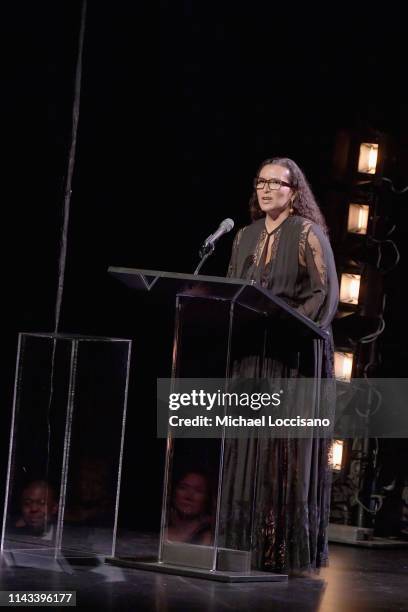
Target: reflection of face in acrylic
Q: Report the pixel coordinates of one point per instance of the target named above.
(190, 518)
(191, 495)
(38, 507)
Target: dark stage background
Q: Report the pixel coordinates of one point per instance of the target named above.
(180, 102)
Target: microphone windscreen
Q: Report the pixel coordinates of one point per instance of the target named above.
(228, 224)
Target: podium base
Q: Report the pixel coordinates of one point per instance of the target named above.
(151, 565)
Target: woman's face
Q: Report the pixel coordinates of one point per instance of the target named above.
(274, 200)
(191, 495)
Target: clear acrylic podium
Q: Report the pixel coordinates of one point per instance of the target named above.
(218, 322)
(66, 447)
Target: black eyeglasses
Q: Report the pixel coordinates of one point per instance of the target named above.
(274, 184)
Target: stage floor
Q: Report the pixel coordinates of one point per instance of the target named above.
(358, 580)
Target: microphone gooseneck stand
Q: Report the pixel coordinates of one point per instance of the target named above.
(204, 253)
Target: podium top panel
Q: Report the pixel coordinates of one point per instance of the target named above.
(235, 290)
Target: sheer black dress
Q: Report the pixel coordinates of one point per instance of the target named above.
(294, 262)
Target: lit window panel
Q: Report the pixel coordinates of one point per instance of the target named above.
(337, 455)
(343, 365)
(350, 288)
(367, 160)
(358, 218)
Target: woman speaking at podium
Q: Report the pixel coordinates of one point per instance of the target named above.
(287, 251)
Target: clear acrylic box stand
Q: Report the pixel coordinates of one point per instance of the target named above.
(66, 447)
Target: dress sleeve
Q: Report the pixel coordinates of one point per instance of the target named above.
(232, 267)
(318, 258)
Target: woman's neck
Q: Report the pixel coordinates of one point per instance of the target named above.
(272, 221)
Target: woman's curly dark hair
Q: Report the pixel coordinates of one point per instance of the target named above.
(304, 203)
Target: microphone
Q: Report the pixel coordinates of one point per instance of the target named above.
(208, 246)
(225, 227)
